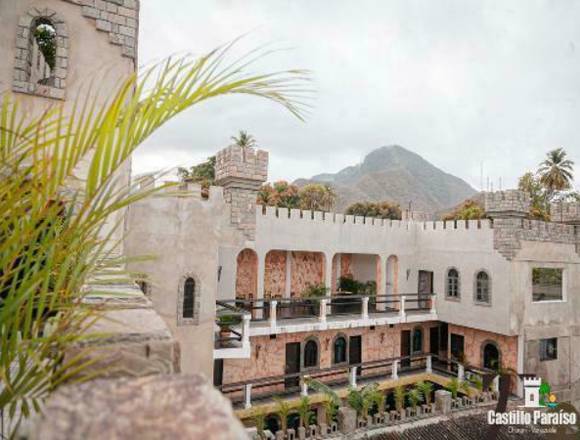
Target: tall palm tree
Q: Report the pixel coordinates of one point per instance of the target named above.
(51, 233)
(556, 172)
(244, 140)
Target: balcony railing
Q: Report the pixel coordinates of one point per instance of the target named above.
(233, 330)
(291, 385)
(323, 307)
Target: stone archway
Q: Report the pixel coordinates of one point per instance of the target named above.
(491, 355)
(247, 274)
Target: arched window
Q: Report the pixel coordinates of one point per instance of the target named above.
(417, 344)
(188, 297)
(310, 354)
(491, 356)
(339, 350)
(482, 287)
(452, 288)
(42, 55)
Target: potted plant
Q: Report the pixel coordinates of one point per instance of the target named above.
(414, 396)
(400, 400)
(330, 404)
(283, 412)
(260, 422)
(225, 323)
(426, 389)
(304, 411)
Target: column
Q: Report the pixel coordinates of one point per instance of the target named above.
(365, 308)
(429, 365)
(402, 307)
(246, 329)
(382, 286)
(395, 370)
(260, 292)
(272, 317)
(352, 377)
(248, 395)
(460, 372)
(328, 270)
(322, 314)
(288, 284)
(303, 387)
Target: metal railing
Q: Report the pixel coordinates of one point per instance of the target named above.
(343, 304)
(233, 326)
(292, 384)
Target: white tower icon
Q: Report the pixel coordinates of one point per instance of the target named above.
(532, 391)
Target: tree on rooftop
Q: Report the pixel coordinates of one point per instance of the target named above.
(384, 209)
(281, 194)
(317, 197)
(468, 210)
(556, 172)
(51, 222)
(539, 203)
(203, 174)
(244, 140)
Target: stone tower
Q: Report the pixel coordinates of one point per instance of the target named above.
(507, 209)
(241, 171)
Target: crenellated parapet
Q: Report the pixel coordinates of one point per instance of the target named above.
(241, 171)
(507, 204)
(509, 210)
(565, 212)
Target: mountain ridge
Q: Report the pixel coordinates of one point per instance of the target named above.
(396, 174)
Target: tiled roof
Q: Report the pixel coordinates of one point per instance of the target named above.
(471, 427)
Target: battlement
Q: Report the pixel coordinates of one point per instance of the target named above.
(332, 218)
(508, 203)
(565, 212)
(214, 194)
(532, 381)
(241, 167)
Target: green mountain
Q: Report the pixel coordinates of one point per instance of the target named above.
(396, 174)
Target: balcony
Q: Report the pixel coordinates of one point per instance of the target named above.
(388, 373)
(232, 332)
(338, 311)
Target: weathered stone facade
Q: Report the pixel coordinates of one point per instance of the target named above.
(247, 274)
(241, 171)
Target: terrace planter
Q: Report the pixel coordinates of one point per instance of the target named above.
(324, 429)
(379, 418)
(361, 422)
(313, 431)
(394, 416)
(291, 434)
(333, 428)
(301, 433)
(402, 414)
(280, 435)
(370, 421)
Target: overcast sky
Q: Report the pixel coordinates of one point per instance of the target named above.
(459, 82)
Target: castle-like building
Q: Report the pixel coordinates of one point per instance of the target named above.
(255, 295)
(459, 296)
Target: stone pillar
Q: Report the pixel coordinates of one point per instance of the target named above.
(322, 314)
(248, 395)
(460, 372)
(365, 308)
(443, 401)
(303, 387)
(352, 377)
(495, 384)
(246, 329)
(402, 307)
(346, 419)
(288, 282)
(328, 271)
(395, 370)
(241, 171)
(382, 286)
(260, 292)
(272, 317)
(429, 365)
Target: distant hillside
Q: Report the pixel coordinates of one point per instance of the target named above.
(396, 174)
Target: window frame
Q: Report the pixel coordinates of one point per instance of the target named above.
(335, 340)
(476, 286)
(305, 344)
(193, 320)
(421, 350)
(563, 298)
(457, 296)
(544, 351)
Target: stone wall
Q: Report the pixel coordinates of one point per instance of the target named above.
(247, 274)
(275, 274)
(475, 340)
(307, 269)
(268, 355)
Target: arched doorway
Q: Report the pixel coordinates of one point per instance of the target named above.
(491, 356)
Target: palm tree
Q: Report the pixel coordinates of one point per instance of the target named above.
(414, 396)
(455, 386)
(244, 140)
(283, 412)
(426, 389)
(399, 397)
(304, 411)
(556, 172)
(51, 232)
